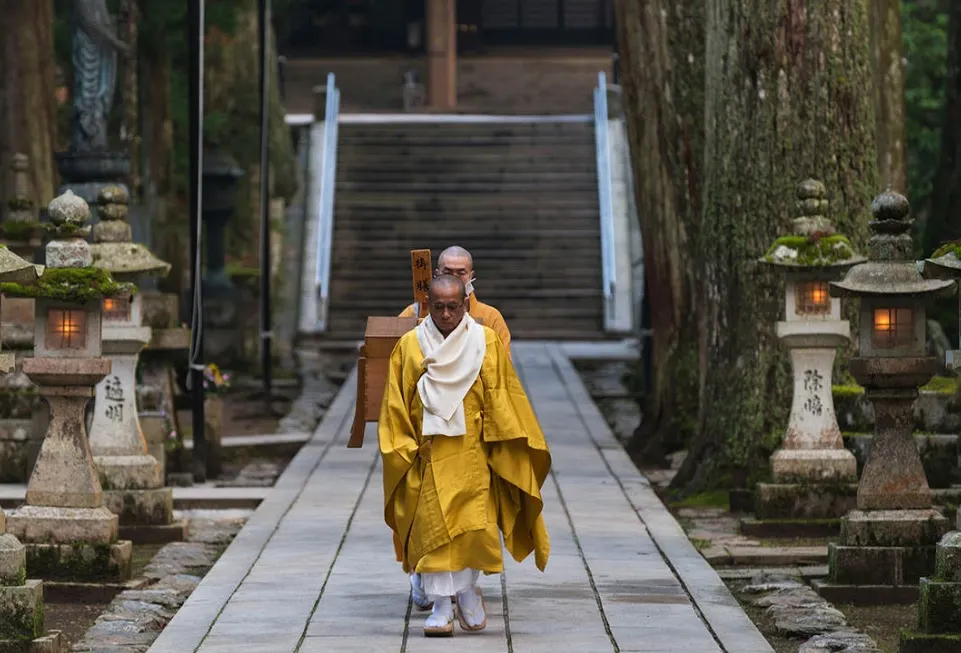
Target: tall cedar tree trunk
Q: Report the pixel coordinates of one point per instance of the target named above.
(166, 205)
(27, 101)
(888, 68)
(661, 43)
(943, 222)
(788, 96)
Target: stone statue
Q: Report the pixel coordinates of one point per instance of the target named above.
(95, 47)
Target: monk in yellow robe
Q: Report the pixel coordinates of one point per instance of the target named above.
(458, 262)
(464, 459)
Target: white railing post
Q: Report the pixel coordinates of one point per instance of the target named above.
(328, 179)
(604, 196)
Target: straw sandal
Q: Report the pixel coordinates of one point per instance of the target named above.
(463, 622)
(446, 630)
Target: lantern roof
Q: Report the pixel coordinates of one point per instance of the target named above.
(944, 263)
(891, 269)
(113, 249)
(15, 269)
(813, 243)
(67, 276)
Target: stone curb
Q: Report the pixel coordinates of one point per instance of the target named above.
(187, 630)
(720, 610)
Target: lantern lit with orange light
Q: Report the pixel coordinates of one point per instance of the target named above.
(889, 539)
(811, 450)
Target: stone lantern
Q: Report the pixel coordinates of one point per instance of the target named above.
(21, 600)
(66, 528)
(888, 542)
(22, 412)
(814, 475)
(132, 478)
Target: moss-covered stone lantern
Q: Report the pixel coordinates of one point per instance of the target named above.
(814, 475)
(132, 478)
(21, 600)
(66, 528)
(888, 542)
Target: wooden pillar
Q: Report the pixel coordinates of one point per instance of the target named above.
(441, 54)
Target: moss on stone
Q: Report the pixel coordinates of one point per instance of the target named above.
(77, 285)
(79, 561)
(20, 230)
(810, 251)
(940, 384)
(948, 248)
(20, 204)
(708, 499)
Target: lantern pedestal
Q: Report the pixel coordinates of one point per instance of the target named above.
(132, 479)
(815, 477)
(67, 531)
(21, 600)
(890, 539)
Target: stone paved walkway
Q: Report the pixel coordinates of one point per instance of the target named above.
(313, 569)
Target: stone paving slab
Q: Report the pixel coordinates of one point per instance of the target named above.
(313, 570)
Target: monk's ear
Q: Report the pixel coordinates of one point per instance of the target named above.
(436, 272)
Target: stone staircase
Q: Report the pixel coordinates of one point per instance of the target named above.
(521, 196)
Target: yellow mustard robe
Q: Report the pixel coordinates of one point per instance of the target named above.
(446, 497)
(487, 314)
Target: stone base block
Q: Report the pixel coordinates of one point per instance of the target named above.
(108, 562)
(147, 507)
(21, 611)
(13, 560)
(893, 528)
(44, 524)
(790, 528)
(161, 534)
(805, 500)
(939, 607)
(830, 466)
(879, 565)
(52, 642)
(128, 472)
(915, 642)
(866, 594)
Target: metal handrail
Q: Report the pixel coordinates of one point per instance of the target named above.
(328, 178)
(604, 192)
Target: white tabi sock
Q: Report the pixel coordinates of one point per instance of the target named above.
(442, 614)
(471, 607)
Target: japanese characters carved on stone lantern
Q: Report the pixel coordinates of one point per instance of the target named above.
(811, 450)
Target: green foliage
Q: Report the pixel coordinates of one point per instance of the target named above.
(78, 285)
(925, 38)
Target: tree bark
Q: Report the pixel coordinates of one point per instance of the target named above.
(661, 44)
(27, 100)
(888, 68)
(943, 222)
(788, 97)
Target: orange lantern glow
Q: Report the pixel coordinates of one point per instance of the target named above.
(66, 328)
(812, 298)
(892, 327)
(116, 308)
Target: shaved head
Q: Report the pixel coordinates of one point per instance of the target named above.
(445, 284)
(456, 261)
(455, 252)
(448, 302)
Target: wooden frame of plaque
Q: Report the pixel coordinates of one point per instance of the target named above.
(373, 366)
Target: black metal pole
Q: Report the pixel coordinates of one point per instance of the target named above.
(265, 326)
(195, 45)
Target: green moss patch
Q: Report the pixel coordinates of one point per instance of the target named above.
(941, 384)
(810, 250)
(709, 499)
(77, 285)
(948, 248)
(20, 230)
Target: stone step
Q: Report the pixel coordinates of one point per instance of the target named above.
(185, 498)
